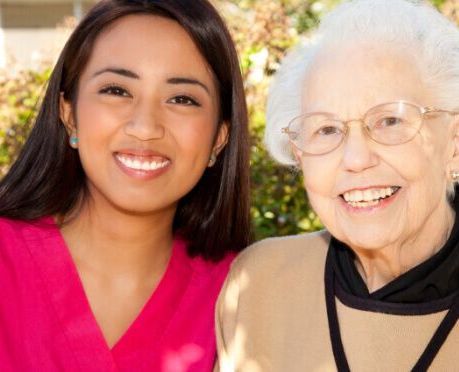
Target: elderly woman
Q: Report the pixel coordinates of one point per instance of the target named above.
(368, 112)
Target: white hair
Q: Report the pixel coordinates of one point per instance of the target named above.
(403, 23)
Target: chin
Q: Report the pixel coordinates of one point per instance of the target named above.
(367, 239)
(135, 206)
(371, 231)
(144, 210)
(368, 242)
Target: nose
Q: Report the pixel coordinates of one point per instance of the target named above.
(358, 154)
(145, 124)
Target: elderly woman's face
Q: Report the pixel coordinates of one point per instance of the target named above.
(347, 84)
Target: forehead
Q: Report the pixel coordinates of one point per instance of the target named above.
(148, 45)
(349, 80)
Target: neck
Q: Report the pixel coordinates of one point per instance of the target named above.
(111, 242)
(380, 266)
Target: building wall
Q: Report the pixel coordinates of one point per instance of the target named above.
(34, 31)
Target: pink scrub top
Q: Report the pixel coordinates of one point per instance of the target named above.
(46, 323)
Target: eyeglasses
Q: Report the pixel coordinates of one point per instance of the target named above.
(392, 123)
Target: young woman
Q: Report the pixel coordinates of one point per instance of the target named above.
(120, 215)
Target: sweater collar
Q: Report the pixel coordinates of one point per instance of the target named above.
(435, 278)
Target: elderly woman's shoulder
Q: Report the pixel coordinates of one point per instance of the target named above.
(294, 250)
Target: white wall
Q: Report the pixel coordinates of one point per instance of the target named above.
(28, 48)
(2, 44)
(28, 33)
(2, 50)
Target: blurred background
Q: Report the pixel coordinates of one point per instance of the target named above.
(32, 32)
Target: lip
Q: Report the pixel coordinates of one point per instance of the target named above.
(142, 155)
(384, 203)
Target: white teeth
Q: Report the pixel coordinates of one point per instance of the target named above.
(368, 196)
(138, 165)
(364, 204)
(358, 195)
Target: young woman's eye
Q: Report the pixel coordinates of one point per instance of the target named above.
(114, 90)
(184, 100)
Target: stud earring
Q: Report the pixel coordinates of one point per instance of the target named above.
(73, 141)
(455, 175)
(212, 160)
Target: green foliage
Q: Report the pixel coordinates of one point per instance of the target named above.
(19, 98)
(438, 3)
(264, 31)
(279, 202)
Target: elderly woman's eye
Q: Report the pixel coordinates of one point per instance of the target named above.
(329, 130)
(114, 90)
(391, 121)
(184, 100)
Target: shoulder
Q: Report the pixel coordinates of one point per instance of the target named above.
(213, 268)
(9, 224)
(16, 232)
(270, 287)
(11, 229)
(278, 268)
(301, 252)
(201, 268)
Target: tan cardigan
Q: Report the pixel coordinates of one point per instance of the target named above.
(272, 316)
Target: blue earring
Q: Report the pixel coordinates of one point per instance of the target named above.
(73, 141)
(212, 160)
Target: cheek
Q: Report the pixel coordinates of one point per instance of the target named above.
(422, 167)
(319, 176)
(93, 121)
(194, 139)
(93, 130)
(320, 184)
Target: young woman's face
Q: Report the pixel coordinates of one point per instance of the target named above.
(146, 115)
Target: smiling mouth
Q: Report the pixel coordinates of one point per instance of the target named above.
(369, 197)
(140, 163)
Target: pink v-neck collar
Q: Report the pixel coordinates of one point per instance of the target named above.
(73, 312)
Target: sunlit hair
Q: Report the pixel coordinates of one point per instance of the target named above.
(413, 26)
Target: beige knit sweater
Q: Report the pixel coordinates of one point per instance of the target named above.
(272, 316)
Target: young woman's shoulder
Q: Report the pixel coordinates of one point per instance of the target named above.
(15, 232)
(212, 269)
(11, 229)
(203, 271)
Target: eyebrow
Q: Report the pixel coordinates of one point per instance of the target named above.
(133, 75)
(118, 71)
(185, 80)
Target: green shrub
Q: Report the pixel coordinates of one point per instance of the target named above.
(19, 98)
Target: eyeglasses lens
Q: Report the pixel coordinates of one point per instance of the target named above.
(388, 124)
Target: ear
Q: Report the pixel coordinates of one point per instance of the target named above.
(453, 164)
(221, 139)
(66, 114)
(297, 154)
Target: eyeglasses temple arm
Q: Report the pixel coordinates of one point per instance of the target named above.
(430, 109)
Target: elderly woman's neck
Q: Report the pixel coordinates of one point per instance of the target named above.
(381, 266)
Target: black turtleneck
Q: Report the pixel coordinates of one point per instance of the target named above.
(433, 279)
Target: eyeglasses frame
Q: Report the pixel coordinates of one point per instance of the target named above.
(423, 111)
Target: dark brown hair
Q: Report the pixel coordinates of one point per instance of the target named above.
(48, 179)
